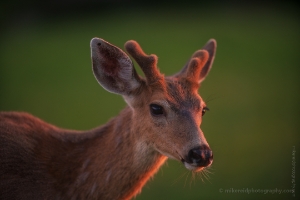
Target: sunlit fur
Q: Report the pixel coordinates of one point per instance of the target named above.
(113, 161)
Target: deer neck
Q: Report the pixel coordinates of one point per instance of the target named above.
(115, 158)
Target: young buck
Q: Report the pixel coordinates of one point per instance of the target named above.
(115, 160)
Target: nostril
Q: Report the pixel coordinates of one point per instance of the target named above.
(202, 156)
(195, 155)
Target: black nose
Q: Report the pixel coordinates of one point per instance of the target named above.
(202, 156)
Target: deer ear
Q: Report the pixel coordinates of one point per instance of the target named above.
(113, 68)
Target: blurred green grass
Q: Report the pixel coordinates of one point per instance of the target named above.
(252, 90)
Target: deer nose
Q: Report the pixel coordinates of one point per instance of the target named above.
(202, 156)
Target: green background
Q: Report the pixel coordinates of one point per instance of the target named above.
(252, 90)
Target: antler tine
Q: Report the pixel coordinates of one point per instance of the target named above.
(196, 64)
(148, 63)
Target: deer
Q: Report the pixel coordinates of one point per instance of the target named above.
(161, 120)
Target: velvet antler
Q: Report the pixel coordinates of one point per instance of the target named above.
(210, 48)
(196, 65)
(148, 63)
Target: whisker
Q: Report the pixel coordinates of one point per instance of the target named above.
(206, 175)
(180, 177)
(193, 178)
(186, 178)
(212, 97)
(208, 171)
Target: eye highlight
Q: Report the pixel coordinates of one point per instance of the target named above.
(156, 110)
(204, 110)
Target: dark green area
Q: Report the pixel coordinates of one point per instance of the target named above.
(252, 90)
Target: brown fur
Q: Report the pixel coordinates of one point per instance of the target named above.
(113, 161)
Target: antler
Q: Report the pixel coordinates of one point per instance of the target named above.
(196, 65)
(148, 63)
(205, 59)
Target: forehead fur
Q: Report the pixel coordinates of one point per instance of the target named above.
(179, 93)
(182, 93)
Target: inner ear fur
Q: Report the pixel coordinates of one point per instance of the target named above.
(113, 68)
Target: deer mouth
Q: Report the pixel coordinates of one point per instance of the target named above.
(198, 158)
(191, 166)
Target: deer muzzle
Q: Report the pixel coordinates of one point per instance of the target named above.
(198, 158)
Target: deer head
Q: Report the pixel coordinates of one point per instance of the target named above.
(167, 111)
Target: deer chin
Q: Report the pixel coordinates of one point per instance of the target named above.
(193, 168)
(167, 154)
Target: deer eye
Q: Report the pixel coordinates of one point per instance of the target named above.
(156, 110)
(204, 110)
